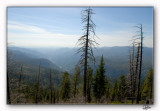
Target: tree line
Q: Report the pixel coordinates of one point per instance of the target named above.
(70, 90)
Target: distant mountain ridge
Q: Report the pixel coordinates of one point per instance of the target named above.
(115, 58)
(23, 57)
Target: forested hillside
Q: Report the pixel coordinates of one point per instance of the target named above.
(115, 64)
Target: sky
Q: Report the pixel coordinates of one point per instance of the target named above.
(62, 26)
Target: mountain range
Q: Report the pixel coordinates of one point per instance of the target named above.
(116, 59)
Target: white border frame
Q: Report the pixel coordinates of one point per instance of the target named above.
(3, 8)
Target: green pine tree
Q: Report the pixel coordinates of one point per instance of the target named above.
(76, 81)
(65, 87)
(114, 92)
(148, 87)
(122, 89)
(99, 81)
(107, 88)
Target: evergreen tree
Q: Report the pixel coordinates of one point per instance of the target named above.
(107, 88)
(148, 86)
(114, 92)
(76, 80)
(122, 89)
(27, 93)
(65, 87)
(99, 81)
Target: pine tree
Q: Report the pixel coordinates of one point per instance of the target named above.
(148, 86)
(122, 89)
(114, 92)
(99, 81)
(65, 87)
(76, 80)
(27, 92)
(107, 88)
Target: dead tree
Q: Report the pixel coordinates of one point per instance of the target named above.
(89, 84)
(140, 67)
(86, 43)
(133, 74)
(136, 70)
(38, 81)
(136, 65)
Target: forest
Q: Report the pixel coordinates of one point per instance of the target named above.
(39, 81)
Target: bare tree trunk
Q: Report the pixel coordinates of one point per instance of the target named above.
(54, 96)
(38, 80)
(139, 79)
(136, 70)
(131, 74)
(86, 53)
(132, 77)
(86, 42)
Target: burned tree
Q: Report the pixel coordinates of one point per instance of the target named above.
(136, 69)
(89, 83)
(131, 72)
(140, 64)
(86, 43)
(136, 65)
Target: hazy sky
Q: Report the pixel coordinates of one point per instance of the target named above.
(61, 26)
